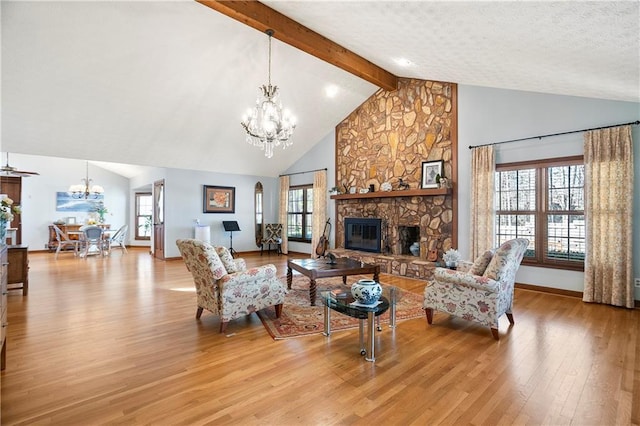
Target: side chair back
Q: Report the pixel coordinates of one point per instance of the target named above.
(64, 241)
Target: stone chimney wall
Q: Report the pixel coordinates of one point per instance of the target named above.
(386, 139)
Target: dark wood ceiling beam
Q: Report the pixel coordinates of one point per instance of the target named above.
(262, 17)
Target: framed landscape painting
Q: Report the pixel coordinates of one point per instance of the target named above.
(66, 203)
(431, 171)
(218, 199)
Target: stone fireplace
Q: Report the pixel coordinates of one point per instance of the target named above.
(385, 141)
(405, 220)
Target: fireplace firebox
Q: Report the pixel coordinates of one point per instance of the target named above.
(363, 234)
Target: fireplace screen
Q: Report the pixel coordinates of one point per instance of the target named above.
(362, 234)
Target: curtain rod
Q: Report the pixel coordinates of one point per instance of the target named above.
(301, 173)
(632, 123)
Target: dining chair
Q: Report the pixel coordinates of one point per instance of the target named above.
(117, 239)
(93, 240)
(64, 241)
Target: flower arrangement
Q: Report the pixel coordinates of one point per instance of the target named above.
(101, 210)
(7, 209)
(451, 257)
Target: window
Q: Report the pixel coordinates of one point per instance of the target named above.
(543, 202)
(299, 212)
(144, 207)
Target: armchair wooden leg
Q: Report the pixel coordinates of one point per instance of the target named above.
(199, 312)
(223, 326)
(494, 332)
(510, 318)
(278, 310)
(429, 313)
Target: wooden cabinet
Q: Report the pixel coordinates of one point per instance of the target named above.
(3, 303)
(53, 243)
(18, 269)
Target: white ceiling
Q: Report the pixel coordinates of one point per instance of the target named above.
(165, 83)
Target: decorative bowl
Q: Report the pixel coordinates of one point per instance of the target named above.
(366, 292)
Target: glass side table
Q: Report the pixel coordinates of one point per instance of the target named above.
(343, 302)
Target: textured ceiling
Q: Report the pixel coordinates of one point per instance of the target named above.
(165, 83)
(580, 48)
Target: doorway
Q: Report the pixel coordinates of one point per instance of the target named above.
(158, 219)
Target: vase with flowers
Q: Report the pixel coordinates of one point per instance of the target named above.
(451, 258)
(101, 210)
(7, 210)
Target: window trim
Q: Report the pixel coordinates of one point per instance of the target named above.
(541, 212)
(304, 213)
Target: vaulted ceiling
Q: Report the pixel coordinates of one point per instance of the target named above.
(165, 83)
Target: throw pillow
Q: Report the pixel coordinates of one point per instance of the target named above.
(227, 260)
(215, 263)
(481, 263)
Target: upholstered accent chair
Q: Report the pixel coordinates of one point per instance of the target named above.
(224, 285)
(481, 292)
(273, 236)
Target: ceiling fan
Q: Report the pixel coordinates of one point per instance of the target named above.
(7, 170)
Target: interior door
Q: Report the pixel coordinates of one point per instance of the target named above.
(12, 186)
(158, 219)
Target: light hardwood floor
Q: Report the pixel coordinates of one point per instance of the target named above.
(115, 340)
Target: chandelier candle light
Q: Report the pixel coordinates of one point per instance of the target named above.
(267, 126)
(84, 190)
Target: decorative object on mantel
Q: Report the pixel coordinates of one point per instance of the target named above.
(386, 187)
(451, 258)
(84, 190)
(7, 209)
(267, 126)
(432, 171)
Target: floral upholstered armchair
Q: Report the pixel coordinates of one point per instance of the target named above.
(224, 285)
(481, 292)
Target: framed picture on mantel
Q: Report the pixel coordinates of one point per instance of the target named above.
(431, 171)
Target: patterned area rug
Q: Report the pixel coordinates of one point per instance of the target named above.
(300, 319)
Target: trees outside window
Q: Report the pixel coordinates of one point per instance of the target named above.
(299, 213)
(543, 201)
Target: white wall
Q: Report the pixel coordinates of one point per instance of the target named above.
(488, 115)
(183, 205)
(321, 156)
(56, 174)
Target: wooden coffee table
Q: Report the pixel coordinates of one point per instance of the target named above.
(321, 268)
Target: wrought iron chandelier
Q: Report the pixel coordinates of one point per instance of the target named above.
(85, 190)
(267, 125)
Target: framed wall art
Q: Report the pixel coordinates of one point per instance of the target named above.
(67, 203)
(218, 199)
(431, 170)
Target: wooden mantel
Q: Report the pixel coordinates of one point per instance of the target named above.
(389, 194)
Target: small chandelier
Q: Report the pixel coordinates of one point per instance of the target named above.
(85, 190)
(267, 126)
